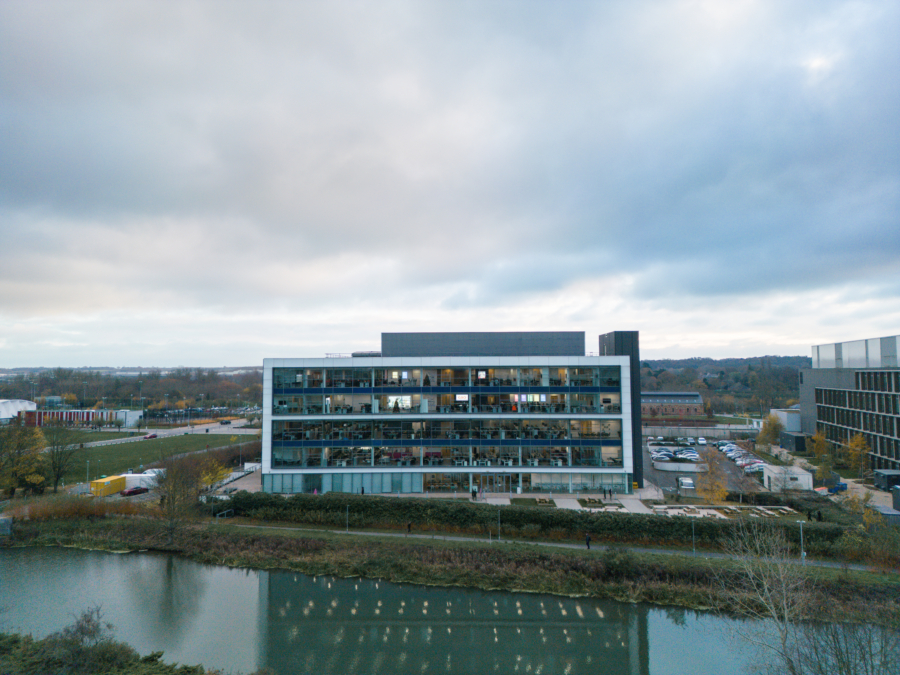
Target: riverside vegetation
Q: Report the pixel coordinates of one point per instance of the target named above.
(276, 541)
(86, 647)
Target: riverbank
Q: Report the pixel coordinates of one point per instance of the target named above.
(625, 576)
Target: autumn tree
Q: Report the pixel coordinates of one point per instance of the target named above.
(63, 444)
(712, 484)
(21, 462)
(771, 430)
(858, 454)
(818, 445)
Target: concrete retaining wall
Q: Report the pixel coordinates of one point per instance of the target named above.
(681, 466)
(717, 433)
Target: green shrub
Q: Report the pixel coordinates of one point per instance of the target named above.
(465, 517)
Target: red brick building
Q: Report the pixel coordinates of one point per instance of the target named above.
(671, 404)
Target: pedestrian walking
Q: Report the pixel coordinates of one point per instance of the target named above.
(587, 541)
(362, 491)
(809, 515)
(409, 527)
(819, 516)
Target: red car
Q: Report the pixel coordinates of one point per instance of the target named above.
(130, 492)
(149, 436)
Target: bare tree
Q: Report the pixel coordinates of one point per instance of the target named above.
(62, 446)
(179, 491)
(767, 584)
(847, 649)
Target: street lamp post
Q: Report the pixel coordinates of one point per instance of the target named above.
(802, 549)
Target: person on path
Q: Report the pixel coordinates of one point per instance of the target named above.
(819, 516)
(587, 541)
(409, 527)
(809, 515)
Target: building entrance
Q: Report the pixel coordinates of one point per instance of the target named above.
(496, 482)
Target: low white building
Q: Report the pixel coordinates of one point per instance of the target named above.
(789, 417)
(784, 478)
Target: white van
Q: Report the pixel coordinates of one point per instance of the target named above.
(685, 483)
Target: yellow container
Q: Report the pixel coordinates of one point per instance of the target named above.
(107, 486)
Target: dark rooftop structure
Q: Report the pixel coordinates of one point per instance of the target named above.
(548, 343)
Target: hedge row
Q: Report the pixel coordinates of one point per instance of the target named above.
(335, 509)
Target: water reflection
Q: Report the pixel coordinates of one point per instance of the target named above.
(326, 625)
(241, 620)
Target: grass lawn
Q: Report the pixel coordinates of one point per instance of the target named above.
(110, 460)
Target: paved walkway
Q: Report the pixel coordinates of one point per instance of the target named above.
(633, 504)
(854, 486)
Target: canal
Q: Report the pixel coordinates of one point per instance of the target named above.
(240, 620)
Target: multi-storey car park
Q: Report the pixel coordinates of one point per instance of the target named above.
(439, 412)
(854, 387)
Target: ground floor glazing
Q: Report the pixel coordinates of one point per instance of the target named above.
(388, 482)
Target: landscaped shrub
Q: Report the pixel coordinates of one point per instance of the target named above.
(336, 509)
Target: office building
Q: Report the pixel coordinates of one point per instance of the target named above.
(851, 388)
(439, 412)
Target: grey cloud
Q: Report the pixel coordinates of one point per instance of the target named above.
(301, 155)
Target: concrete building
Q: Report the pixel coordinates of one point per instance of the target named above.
(501, 412)
(789, 418)
(784, 478)
(851, 388)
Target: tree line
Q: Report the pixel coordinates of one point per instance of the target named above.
(730, 385)
(192, 387)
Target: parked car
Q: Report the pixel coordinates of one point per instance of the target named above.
(149, 436)
(756, 467)
(701, 441)
(130, 492)
(690, 440)
(686, 483)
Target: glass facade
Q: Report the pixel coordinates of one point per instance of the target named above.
(427, 427)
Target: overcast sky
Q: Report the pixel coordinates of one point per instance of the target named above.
(213, 183)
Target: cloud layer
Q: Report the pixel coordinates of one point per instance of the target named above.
(212, 183)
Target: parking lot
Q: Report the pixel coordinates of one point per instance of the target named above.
(667, 480)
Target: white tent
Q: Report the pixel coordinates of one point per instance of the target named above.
(10, 408)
